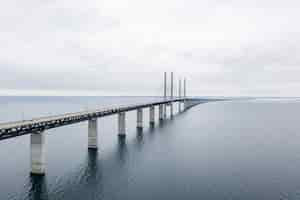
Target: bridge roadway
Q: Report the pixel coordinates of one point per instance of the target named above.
(18, 128)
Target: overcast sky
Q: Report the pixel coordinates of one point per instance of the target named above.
(122, 47)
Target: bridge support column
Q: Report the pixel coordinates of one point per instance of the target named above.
(37, 155)
(139, 118)
(179, 106)
(165, 111)
(92, 134)
(122, 124)
(152, 115)
(171, 110)
(160, 112)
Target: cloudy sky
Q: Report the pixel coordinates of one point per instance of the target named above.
(113, 47)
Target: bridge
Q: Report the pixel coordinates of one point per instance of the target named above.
(38, 126)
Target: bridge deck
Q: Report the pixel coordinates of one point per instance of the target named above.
(18, 128)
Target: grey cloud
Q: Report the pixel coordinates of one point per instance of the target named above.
(223, 47)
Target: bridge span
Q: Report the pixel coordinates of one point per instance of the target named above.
(37, 127)
(18, 128)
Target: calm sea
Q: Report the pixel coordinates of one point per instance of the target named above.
(239, 149)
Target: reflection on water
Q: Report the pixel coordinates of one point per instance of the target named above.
(139, 139)
(38, 188)
(122, 149)
(92, 173)
(92, 176)
(152, 127)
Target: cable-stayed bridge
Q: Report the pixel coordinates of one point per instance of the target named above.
(37, 127)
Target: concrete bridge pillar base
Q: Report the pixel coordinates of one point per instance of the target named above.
(152, 115)
(122, 124)
(37, 156)
(92, 134)
(165, 111)
(139, 118)
(160, 112)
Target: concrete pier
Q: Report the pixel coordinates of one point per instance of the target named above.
(139, 121)
(165, 96)
(37, 156)
(172, 95)
(179, 95)
(171, 110)
(122, 124)
(92, 134)
(152, 115)
(160, 112)
(184, 94)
